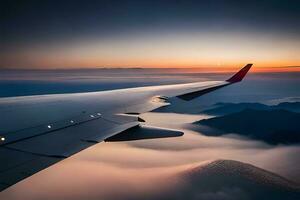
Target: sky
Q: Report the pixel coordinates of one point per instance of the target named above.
(208, 34)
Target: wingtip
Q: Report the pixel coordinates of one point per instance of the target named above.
(240, 74)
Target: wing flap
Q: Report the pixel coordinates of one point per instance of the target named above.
(144, 132)
(114, 131)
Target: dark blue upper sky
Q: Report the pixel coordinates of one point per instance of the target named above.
(31, 23)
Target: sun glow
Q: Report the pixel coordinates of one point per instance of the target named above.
(202, 50)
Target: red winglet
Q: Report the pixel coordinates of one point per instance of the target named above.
(240, 75)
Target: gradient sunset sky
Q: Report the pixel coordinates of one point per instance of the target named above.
(208, 34)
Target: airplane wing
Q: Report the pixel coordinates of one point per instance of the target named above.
(39, 131)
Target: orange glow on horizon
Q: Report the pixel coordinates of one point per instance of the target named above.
(207, 68)
(200, 68)
(200, 51)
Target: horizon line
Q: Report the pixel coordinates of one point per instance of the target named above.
(210, 69)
